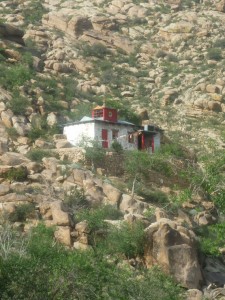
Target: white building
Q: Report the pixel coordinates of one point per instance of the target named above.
(105, 127)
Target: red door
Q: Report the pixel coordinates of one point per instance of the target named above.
(104, 138)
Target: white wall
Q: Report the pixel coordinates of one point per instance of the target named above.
(79, 132)
(157, 141)
(122, 134)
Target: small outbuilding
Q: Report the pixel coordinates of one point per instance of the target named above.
(105, 127)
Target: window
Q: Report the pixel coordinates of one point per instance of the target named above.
(98, 113)
(110, 114)
(115, 134)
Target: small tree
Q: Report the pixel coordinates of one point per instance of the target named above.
(94, 153)
(137, 165)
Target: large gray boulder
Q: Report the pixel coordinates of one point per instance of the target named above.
(173, 247)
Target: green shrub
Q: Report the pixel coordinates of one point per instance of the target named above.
(33, 13)
(172, 149)
(172, 57)
(48, 271)
(22, 212)
(94, 153)
(161, 54)
(214, 53)
(76, 200)
(212, 179)
(117, 147)
(95, 218)
(212, 239)
(128, 240)
(220, 43)
(152, 196)
(19, 104)
(38, 154)
(11, 243)
(97, 50)
(15, 76)
(12, 133)
(18, 174)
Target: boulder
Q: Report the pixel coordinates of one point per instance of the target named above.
(214, 271)
(63, 144)
(221, 6)
(95, 194)
(112, 193)
(78, 176)
(51, 119)
(4, 189)
(126, 203)
(3, 145)
(6, 117)
(173, 247)
(12, 33)
(130, 205)
(80, 246)
(212, 88)
(62, 235)
(13, 159)
(59, 216)
(194, 294)
(14, 197)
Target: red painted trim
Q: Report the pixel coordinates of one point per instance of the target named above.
(105, 138)
(142, 142)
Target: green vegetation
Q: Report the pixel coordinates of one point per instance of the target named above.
(33, 12)
(213, 178)
(97, 50)
(220, 43)
(38, 154)
(75, 200)
(212, 239)
(117, 147)
(214, 53)
(48, 271)
(16, 174)
(95, 218)
(18, 104)
(22, 212)
(127, 240)
(94, 153)
(14, 76)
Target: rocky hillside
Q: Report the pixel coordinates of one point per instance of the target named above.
(161, 62)
(164, 57)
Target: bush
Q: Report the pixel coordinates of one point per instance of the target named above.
(38, 154)
(33, 13)
(22, 212)
(152, 196)
(48, 271)
(18, 104)
(96, 221)
(117, 147)
(15, 76)
(76, 200)
(97, 50)
(18, 174)
(12, 133)
(11, 243)
(212, 239)
(94, 153)
(220, 43)
(214, 53)
(128, 240)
